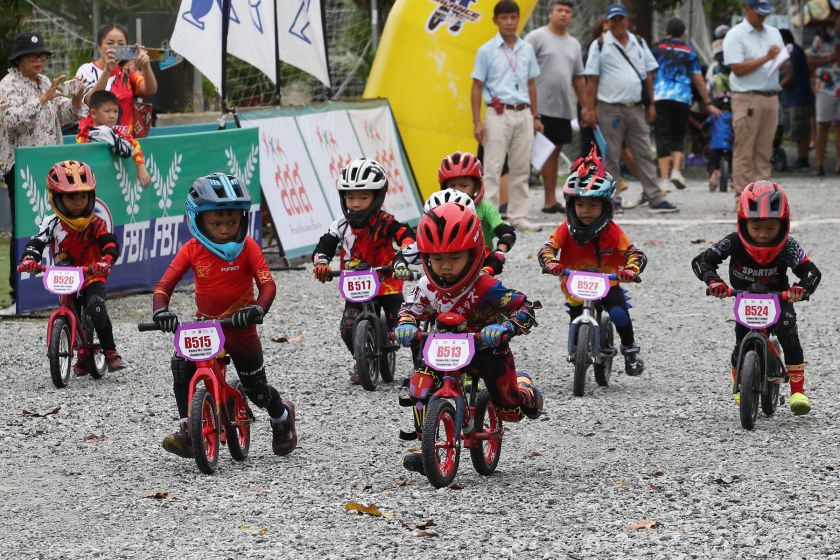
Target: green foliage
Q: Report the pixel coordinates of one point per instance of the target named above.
(12, 13)
(721, 11)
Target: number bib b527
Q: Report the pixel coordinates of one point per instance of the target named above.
(447, 351)
(588, 285)
(63, 280)
(757, 311)
(358, 285)
(199, 341)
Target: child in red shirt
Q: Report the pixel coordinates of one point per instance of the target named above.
(226, 263)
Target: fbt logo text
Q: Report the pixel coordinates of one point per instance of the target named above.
(165, 240)
(134, 243)
(293, 195)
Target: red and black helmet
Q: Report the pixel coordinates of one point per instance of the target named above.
(70, 177)
(763, 200)
(462, 164)
(450, 228)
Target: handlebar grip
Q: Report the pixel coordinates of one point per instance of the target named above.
(145, 327)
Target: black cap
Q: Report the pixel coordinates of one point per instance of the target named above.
(28, 42)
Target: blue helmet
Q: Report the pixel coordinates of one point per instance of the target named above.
(219, 191)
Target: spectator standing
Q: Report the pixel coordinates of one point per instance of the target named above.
(825, 55)
(32, 110)
(619, 87)
(504, 79)
(797, 98)
(561, 69)
(755, 95)
(679, 69)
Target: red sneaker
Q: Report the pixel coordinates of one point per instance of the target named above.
(284, 434)
(114, 360)
(82, 363)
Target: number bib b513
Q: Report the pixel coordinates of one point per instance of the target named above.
(358, 285)
(199, 341)
(63, 280)
(757, 311)
(588, 285)
(448, 351)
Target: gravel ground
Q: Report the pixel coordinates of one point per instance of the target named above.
(651, 467)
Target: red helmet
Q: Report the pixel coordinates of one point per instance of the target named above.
(450, 228)
(763, 200)
(69, 177)
(462, 164)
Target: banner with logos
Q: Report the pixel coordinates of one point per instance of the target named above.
(150, 223)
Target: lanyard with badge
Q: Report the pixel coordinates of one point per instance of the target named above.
(512, 64)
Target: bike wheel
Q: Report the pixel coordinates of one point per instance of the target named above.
(238, 424)
(486, 456)
(583, 358)
(60, 353)
(388, 360)
(441, 450)
(725, 174)
(365, 351)
(770, 401)
(603, 371)
(750, 384)
(97, 366)
(204, 431)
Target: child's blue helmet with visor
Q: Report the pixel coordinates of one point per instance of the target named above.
(219, 191)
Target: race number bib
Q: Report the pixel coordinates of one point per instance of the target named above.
(358, 285)
(447, 351)
(588, 285)
(63, 280)
(199, 341)
(757, 311)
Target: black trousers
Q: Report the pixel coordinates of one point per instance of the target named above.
(9, 178)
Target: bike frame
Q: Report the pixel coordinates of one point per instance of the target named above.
(591, 316)
(68, 307)
(767, 347)
(212, 374)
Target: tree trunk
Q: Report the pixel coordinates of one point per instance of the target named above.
(641, 18)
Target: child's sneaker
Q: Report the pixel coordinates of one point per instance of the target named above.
(114, 360)
(714, 180)
(284, 433)
(800, 404)
(532, 400)
(413, 461)
(633, 364)
(678, 179)
(355, 379)
(82, 363)
(180, 443)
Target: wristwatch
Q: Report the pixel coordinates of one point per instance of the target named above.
(537, 118)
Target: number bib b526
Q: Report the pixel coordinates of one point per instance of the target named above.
(199, 341)
(358, 285)
(757, 311)
(63, 280)
(447, 351)
(588, 285)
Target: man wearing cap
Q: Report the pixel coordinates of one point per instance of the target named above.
(748, 50)
(618, 67)
(32, 111)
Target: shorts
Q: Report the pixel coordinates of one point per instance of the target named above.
(558, 130)
(670, 127)
(480, 156)
(799, 123)
(828, 108)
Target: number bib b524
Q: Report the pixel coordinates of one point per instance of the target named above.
(588, 285)
(63, 280)
(358, 285)
(199, 341)
(447, 351)
(757, 311)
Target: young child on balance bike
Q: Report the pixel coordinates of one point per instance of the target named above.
(226, 262)
(590, 240)
(451, 245)
(760, 254)
(77, 237)
(367, 235)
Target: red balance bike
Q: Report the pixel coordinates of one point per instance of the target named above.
(70, 329)
(218, 412)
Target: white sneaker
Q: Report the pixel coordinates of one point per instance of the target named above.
(8, 311)
(678, 179)
(526, 226)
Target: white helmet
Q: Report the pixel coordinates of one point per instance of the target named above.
(449, 195)
(362, 175)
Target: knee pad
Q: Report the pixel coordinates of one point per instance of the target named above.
(619, 316)
(96, 308)
(257, 388)
(348, 320)
(182, 370)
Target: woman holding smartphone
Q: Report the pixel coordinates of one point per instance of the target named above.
(122, 69)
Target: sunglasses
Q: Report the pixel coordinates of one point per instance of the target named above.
(37, 56)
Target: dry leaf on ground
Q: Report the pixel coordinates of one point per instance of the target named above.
(93, 437)
(426, 523)
(534, 453)
(253, 531)
(735, 478)
(361, 508)
(163, 496)
(456, 486)
(424, 533)
(644, 524)
(41, 414)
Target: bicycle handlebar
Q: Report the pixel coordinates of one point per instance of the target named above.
(782, 295)
(421, 335)
(145, 327)
(383, 269)
(568, 272)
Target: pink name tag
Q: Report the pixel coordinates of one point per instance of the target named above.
(757, 311)
(63, 280)
(199, 341)
(448, 351)
(358, 285)
(588, 285)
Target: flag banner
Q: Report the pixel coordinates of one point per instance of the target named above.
(301, 37)
(198, 37)
(251, 34)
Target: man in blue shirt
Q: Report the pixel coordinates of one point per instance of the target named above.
(504, 80)
(614, 69)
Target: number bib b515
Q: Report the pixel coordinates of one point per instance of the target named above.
(588, 285)
(448, 351)
(63, 280)
(358, 285)
(199, 341)
(757, 311)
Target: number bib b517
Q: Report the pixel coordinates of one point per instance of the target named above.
(63, 280)
(199, 341)
(588, 285)
(358, 285)
(757, 311)
(448, 351)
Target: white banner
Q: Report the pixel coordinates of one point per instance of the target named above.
(198, 37)
(251, 34)
(301, 37)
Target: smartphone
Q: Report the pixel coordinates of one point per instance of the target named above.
(71, 87)
(126, 52)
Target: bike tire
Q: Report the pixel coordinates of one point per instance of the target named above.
(440, 456)
(770, 402)
(603, 371)
(750, 384)
(97, 366)
(60, 353)
(204, 431)
(238, 436)
(583, 358)
(388, 359)
(485, 457)
(725, 174)
(365, 352)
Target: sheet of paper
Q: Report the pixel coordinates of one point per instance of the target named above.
(541, 148)
(774, 64)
